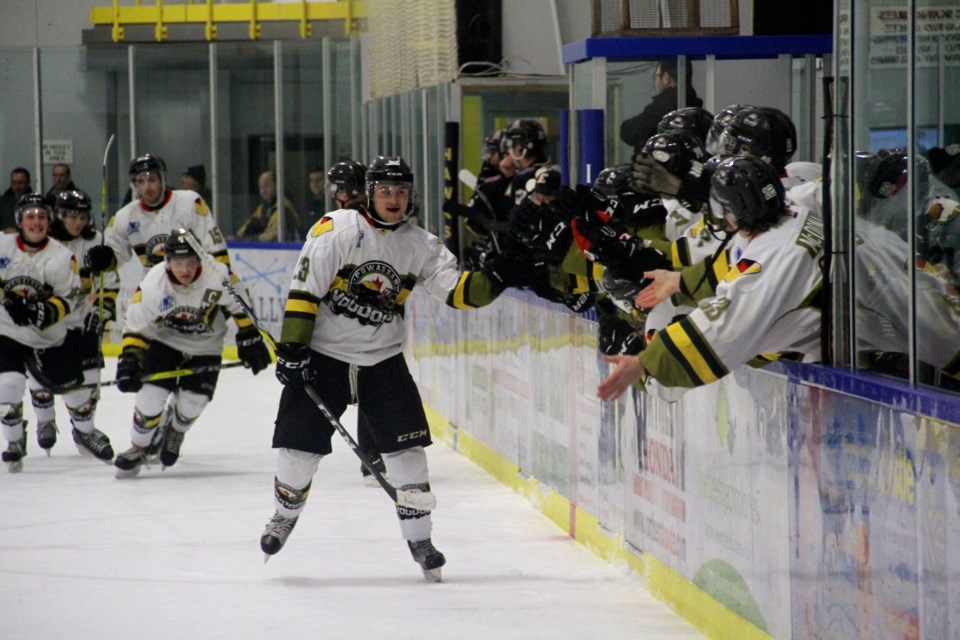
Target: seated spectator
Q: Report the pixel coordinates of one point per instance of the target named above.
(264, 223)
(62, 181)
(19, 187)
(195, 179)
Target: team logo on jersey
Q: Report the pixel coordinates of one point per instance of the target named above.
(4, 262)
(322, 226)
(186, 320)
(153, 249)
(133, 227)
(24, 286)
(369, 294)
(167, 303)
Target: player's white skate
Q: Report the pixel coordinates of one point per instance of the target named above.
(95, 444)
(429, 559)
(129, 462)
(275, 535)
(47, 435)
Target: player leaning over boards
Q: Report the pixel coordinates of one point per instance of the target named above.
(343, 333)
(176, 319)
(766, 303)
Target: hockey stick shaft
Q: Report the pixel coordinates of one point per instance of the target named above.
(165, 375)
(470, 180)
(423, 501)
(103, 239)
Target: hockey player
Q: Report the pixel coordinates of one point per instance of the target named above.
(343, 334)
(140, 228)
(763, 305)
(175, 320)
(41, 284)
(72, 228)
(347, 183)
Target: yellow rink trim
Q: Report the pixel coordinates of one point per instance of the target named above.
(690, 602)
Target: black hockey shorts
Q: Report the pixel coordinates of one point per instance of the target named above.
(57, 368)
(387, 397)
(162, 358)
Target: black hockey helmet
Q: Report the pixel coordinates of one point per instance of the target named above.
(347, 177)
(695, 119)
(614, 181)
(496, 142)
(887, 174)
(531, 138)
(386, 171)
(145, 163)
(73, 200)
(761, 131)
(749, 189)
(679, 151)
(177, 246)
(31, 201)
(719, 125)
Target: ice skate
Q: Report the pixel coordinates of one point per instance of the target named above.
(14, 454)
(96, 444)
(376, 460)
(170, 451)
(156, 443)
(275, 534)
(47, 435)
(129, 462)
(429, 559)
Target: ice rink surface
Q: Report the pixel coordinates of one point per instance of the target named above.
(175, 553)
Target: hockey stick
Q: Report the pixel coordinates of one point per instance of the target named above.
(422, 501)
(470, 180)
(103, 239)
(162, 375)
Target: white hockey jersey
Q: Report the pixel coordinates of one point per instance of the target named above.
(111, 282)
(188, 317)
(765, 304)
(139, 231)
(51, 274)
(352, 279)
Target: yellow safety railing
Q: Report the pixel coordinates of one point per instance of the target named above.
(207, 13)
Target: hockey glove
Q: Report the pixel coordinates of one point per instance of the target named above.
(25, 311)
(128, 372)
(91, 324)
(99, 258)
(514, 270)
(293, 364)
(616, 336)
(253, 353)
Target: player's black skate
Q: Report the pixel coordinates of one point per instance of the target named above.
(129, 462)
(170, 451)
(96, 444)
(156, 443)
(47, 435)
(376, 460)
(13, 456)
(275, 534)
(427, 556)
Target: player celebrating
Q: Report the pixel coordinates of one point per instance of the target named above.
(40, 286)
(343, 334)
(176, 320)
(73, 229)
(140, 228)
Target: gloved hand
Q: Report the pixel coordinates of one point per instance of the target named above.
(99, 258)
(128, 372)
(253, 353)
(293, 364)
(91, 324)
(615, 336)
(26, 311)
(511, 269)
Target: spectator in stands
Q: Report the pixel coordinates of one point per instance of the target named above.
(195, 179)
(635, 131)
(19, 187)
(264, 223)
(62, 181)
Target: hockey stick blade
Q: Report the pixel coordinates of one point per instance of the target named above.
(467, 178)
(470, 180)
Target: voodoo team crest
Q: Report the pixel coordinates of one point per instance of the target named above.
(370, 294)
